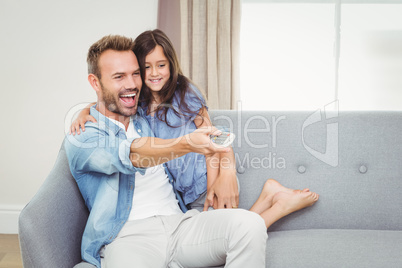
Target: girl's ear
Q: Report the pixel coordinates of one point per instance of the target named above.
(94, 81)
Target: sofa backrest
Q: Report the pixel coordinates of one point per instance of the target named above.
(352, 159)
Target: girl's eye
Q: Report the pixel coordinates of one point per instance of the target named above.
(162, 65)
(147, 67)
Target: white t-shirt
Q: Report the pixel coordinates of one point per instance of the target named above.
(153, 194)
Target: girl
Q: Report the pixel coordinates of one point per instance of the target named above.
(175, 107)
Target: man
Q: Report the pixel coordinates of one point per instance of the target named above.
(136, 217)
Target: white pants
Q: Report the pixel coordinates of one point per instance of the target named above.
(233, 236)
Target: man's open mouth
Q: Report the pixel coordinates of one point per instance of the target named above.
(128, 99)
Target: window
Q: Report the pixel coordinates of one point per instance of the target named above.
(302, 56)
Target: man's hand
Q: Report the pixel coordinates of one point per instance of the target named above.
(224, 192)
(199, 141)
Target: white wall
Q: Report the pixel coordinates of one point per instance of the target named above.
(42, 76)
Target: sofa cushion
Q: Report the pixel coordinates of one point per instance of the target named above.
(334, 248)
(359, 182)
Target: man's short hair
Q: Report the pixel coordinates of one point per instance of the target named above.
(114, 42)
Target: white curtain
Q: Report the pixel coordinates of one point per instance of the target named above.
(209, 53)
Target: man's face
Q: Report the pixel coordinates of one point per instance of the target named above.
(120, 82)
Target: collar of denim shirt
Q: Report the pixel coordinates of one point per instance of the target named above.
(108, 125)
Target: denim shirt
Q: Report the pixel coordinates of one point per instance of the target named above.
(190, 170)
(99, 161)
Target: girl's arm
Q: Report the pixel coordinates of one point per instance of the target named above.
(82, 118)
(222, 188)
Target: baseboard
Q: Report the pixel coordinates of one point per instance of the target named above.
(9, 218)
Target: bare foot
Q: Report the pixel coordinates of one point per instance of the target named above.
(265, 200)
(293, 201)
(284, 203)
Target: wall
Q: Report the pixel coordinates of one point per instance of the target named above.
(43, 77)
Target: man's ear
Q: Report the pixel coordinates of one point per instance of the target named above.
(94, 81)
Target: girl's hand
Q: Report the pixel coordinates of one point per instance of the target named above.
(80, 123)
(224, 192)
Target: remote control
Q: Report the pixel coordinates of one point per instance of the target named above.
(225, 139)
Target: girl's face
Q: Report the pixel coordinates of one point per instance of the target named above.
(157, 70)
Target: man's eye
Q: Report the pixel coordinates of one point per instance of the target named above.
(136, 73)
(118, 77)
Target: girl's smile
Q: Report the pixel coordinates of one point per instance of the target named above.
(157, 70)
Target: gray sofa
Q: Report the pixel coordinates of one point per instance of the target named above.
(352, 159)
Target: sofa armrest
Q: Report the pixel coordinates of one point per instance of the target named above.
(84, 265)
(51, 225)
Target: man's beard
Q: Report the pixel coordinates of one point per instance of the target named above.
(112, 104)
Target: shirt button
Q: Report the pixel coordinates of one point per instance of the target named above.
(139, 130)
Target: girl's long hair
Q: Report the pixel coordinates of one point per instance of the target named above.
(144, 44)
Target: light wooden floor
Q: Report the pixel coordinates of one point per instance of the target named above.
(10, 256)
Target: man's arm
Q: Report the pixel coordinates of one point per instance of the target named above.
(150, 151)
(96, 151)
